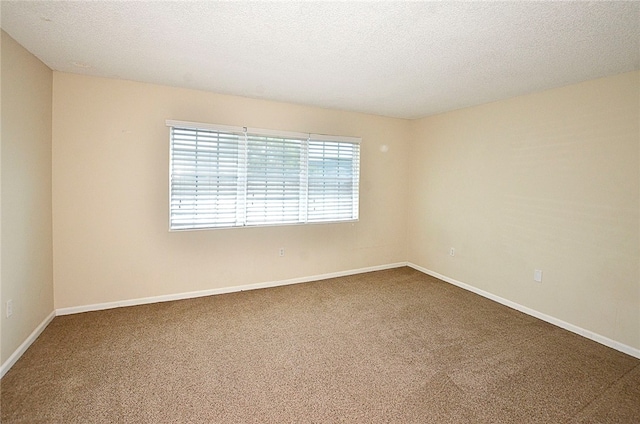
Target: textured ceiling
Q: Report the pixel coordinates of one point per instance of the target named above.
(400, 59)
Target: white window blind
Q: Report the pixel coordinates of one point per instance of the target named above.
(233, 176)
(274, 165)
(333, 180)
(204, 178)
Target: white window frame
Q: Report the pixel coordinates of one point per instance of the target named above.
(334, 176)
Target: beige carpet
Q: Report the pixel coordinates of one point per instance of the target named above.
(393, 346)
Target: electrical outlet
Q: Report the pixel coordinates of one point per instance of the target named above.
(537, 275)
(9, 308)
(452, 252)
(281, 252)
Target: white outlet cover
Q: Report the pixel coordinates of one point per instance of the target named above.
(537, 275)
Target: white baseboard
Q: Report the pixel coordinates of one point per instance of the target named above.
(25, 345)
(552, 320)
(210, 292)
(189, 295)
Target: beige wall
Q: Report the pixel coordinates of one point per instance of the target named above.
(26, 244)
(110, 196)
(546, 181)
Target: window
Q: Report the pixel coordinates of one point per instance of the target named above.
(224, 176)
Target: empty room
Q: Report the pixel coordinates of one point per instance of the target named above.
(318, 212)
